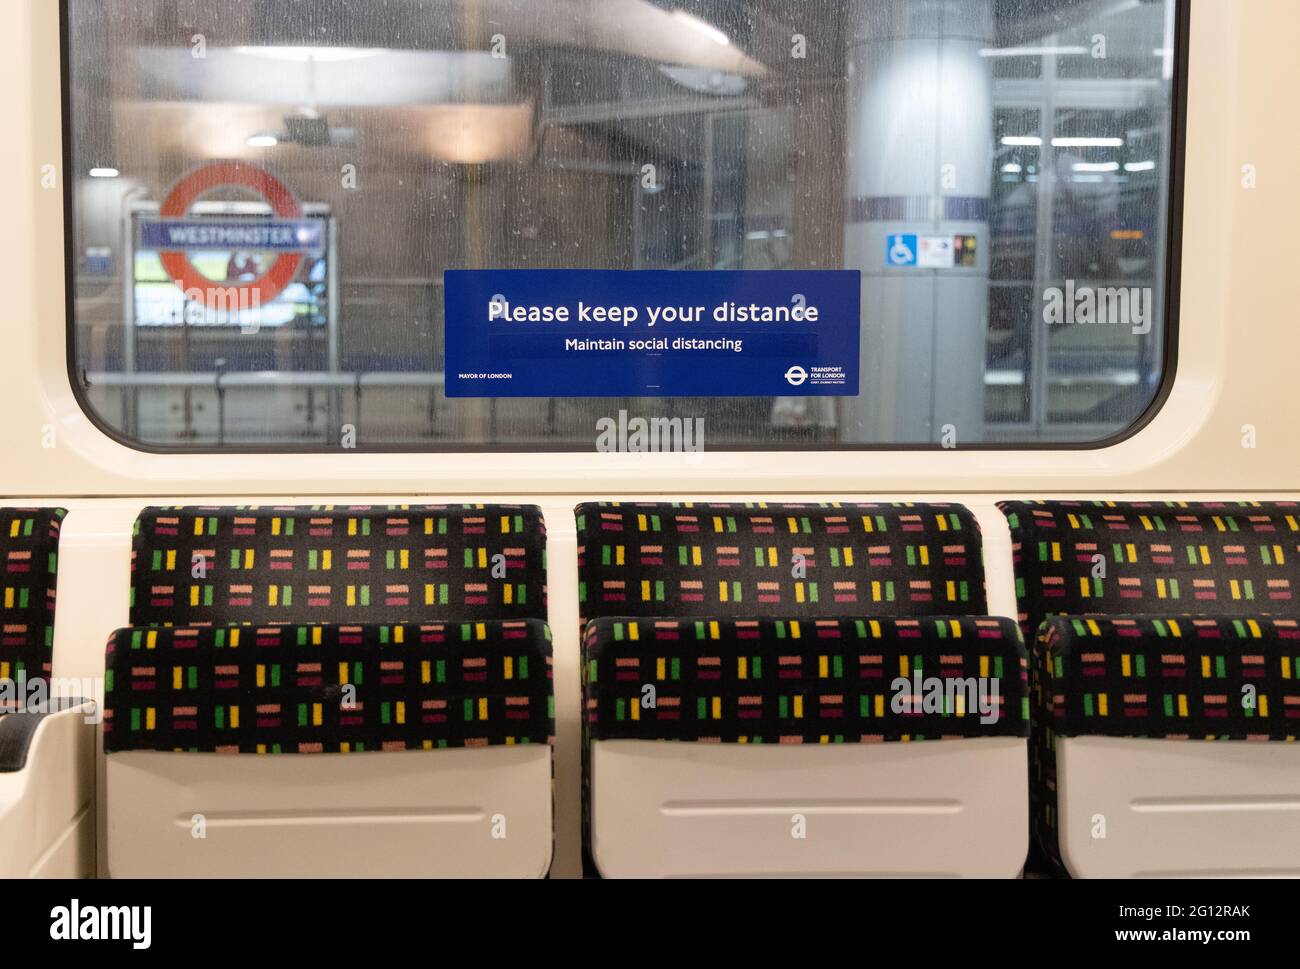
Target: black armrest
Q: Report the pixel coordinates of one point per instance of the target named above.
(18, 729)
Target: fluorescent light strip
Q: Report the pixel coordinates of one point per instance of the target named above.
(1032, 51)
(1087, 142)
(302, 54)
(1033, 141)
(209, 207)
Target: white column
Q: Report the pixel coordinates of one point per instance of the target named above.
(920, 150)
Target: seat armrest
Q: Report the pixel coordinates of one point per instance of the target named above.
(18, 730)
(47, 805)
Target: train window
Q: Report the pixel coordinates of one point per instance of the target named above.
(264, 195)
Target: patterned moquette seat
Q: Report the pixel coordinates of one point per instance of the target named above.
(791, 623)
(29, 550)
(1156, 620)
(333, 629)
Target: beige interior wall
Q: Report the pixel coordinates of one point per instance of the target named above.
(1236, 366)
(1237, 343)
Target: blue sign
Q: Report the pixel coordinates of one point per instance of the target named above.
(651, 333)
(224, 234)
(901, 250)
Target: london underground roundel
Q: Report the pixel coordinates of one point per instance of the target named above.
(201, 181)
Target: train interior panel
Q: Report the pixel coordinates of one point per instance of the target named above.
(605, 440)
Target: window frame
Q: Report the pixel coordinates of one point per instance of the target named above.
(1173, 246)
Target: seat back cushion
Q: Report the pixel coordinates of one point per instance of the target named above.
(752, 560)
(29, 547)
(344, 564)
(1114, 558)
(329, 688)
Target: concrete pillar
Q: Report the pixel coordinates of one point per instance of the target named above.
(920, 150)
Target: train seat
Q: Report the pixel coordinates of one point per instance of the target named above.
(47, 733)
(752, 675)
(1165, 689)
(332, 692)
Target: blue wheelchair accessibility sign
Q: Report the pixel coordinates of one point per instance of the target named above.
(900, 250)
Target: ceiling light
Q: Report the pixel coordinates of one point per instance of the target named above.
(1087, 142)
(104, 173)
(710, 31)
(1030, 141)
(302, 54)
(1142, 166)
(214, 207)
(1032, 51)
(263, 140)
(1096, 166)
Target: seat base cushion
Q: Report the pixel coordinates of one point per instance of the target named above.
(804, 681)
(329, 688)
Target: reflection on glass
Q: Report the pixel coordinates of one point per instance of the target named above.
(628, 134)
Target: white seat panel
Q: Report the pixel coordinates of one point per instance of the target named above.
(1178, 808)
(455, 813)
(926, 809)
